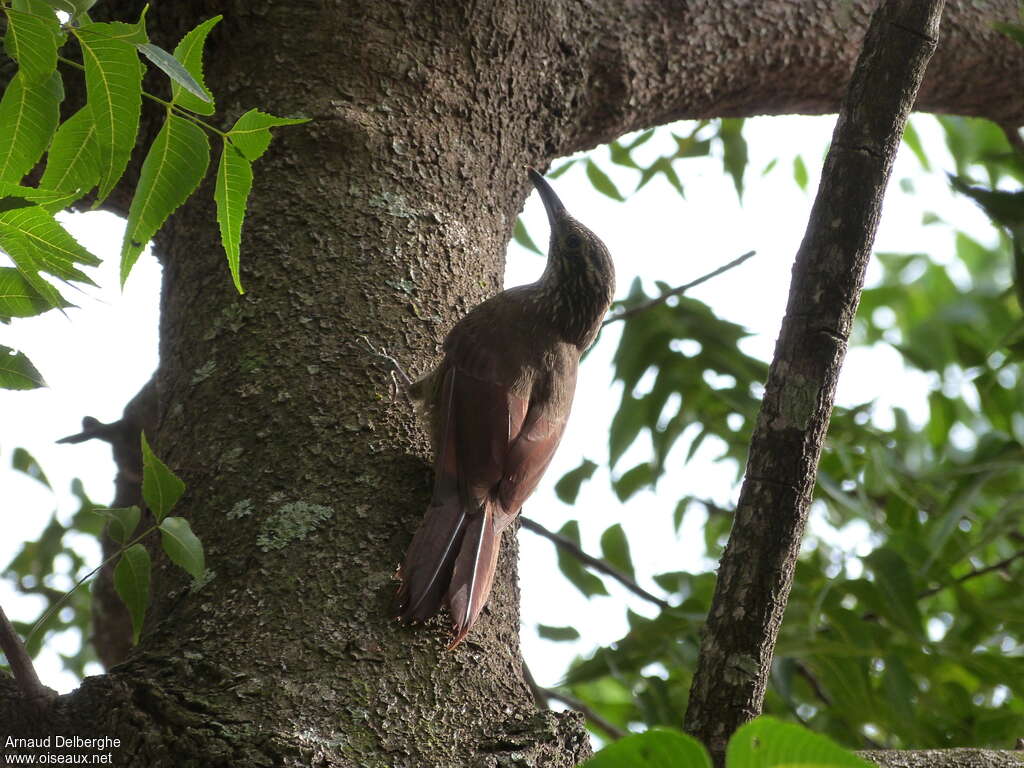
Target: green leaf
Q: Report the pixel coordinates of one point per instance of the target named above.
(562, 168)
(615, 549)
(29, 115)
(521, 236)
(161, 488)
(36, 242)
(131, 580)
(190, 53)
(173, 68)
(251, 133)
(568, 487)
(1003, 208)
(50, 200)
(734, 151)
(633, 480)
(76, 8)
(560, 634)
(912, 140)
(23, 461)
(800, 173)
(1013, 31)
(16, 372)
(182, 546)
(234, 181)
(33, 40)
(73, 161)
(896, 587)
(580, 577)
(172, 170)
(17, 296)
(599, 179)
(769, 743)
(655, 748)
(122, 522)
(113, 82)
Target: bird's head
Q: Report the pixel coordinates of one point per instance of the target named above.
(571, 242)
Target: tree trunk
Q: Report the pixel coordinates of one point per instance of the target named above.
(388, 216)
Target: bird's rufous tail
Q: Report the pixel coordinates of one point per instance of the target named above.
(450, 561)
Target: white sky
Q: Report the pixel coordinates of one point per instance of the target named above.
(100, 355)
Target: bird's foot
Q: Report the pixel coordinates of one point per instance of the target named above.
(399, 378)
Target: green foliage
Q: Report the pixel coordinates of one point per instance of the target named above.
(913, 638)
(161, 488)
(91, 149)
(17, 372)
(656, 748)
(131, 580)
(182, 546)
(172, 170)
(762, 743)
(44, 567)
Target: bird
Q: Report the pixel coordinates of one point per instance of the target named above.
(497, 406)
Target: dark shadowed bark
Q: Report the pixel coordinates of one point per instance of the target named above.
(388, 216)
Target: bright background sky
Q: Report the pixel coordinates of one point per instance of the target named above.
(101, 354)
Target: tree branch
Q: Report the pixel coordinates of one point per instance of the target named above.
(973, 574)
(756, 570)
(544, 695)
(591, 562)
(678, 291)
(24, 673)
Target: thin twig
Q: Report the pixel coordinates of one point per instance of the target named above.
(543, 696)
(678, 291)
(973, 574)
(591, 562)
(573, 703)
(21, 665)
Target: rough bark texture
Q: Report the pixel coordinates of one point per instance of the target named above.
(388, 216)
(756, 570)
(945, 758)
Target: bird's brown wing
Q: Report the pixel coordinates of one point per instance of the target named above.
(455, 549)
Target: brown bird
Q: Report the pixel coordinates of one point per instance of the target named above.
(497, 406)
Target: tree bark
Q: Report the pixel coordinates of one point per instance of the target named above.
(388, 216)
(756, 570)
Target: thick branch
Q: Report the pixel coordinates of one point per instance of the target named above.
(756, 570)
(653, 62)
(944, 758)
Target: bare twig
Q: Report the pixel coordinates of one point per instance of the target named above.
(974, 574)
(543, 696)
(21, 665)
(591, 562)
(680, 290)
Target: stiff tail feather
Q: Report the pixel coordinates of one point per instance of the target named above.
(430, 560)
(473, 574)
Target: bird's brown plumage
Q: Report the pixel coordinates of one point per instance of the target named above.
(498, 404)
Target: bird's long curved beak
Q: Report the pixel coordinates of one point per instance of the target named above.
(552, 204)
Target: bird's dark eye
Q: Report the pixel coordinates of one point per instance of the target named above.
(573, 241)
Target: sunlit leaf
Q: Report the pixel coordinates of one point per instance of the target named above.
(113, 81)
(655, 748)
(251, 132)
(190, 53)
(234, 181)
(173, 168)
(521, 236)
(32, 40)
(29, 114)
